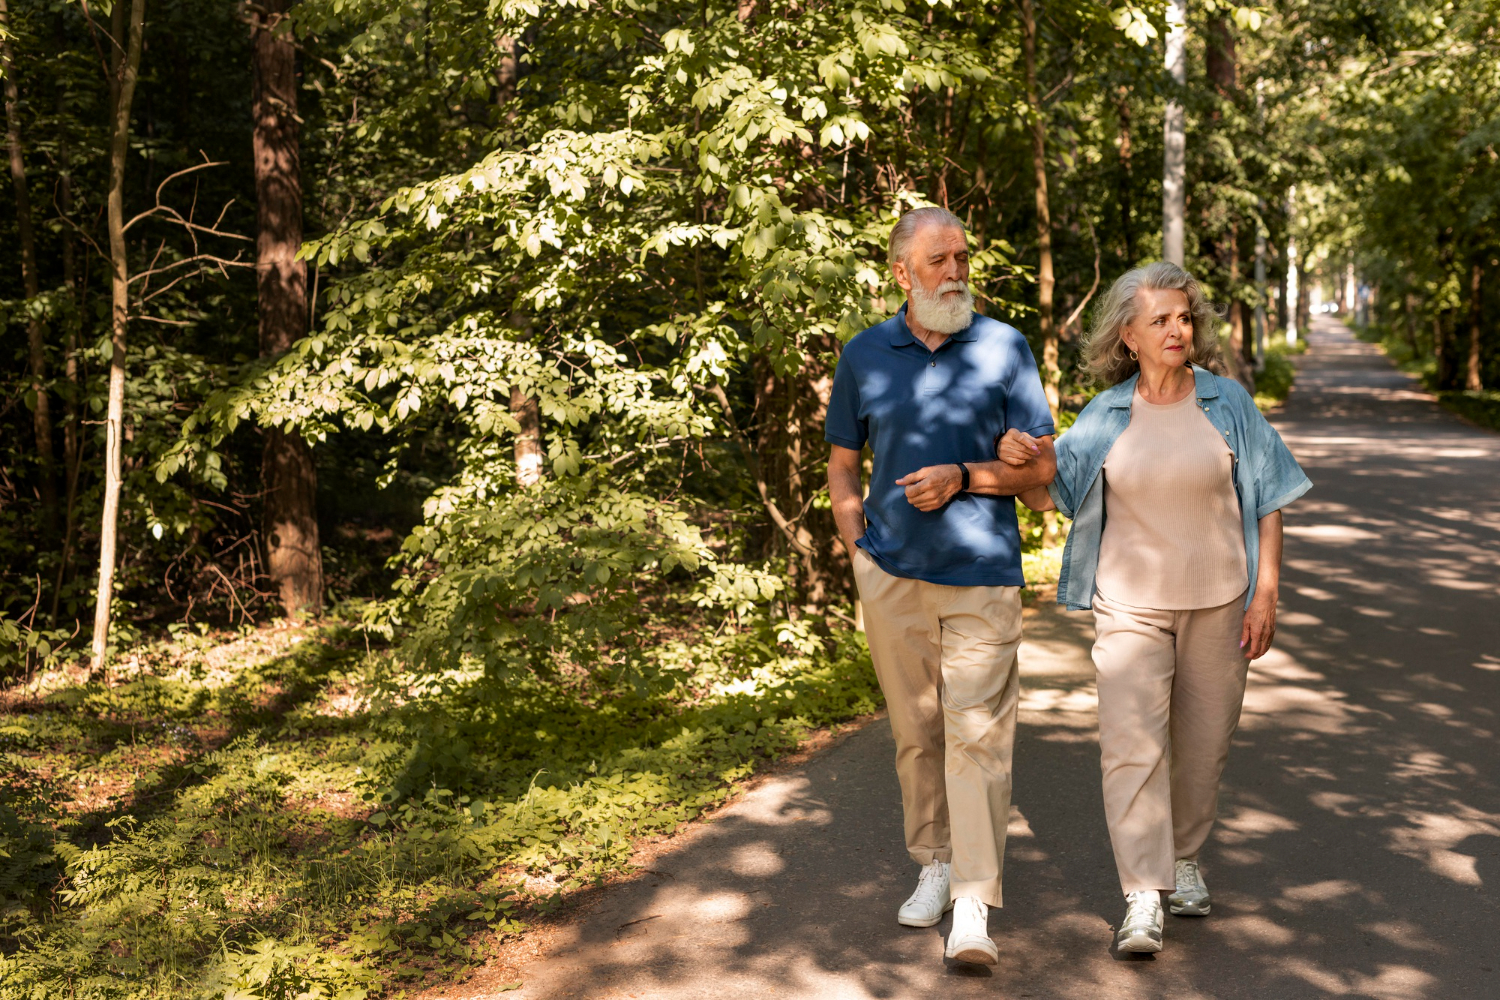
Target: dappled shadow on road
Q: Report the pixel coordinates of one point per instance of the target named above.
(1358, 852)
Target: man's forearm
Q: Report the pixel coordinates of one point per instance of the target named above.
(996, 478)
(848, 505)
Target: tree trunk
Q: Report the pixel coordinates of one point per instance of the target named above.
(529, 456)
(1051, 374)
(1236, 359)
(41, 414)
(73, 420)
(527, 450)
(1474, 380)
(1174, 169)
(294, 557)
(1409, 313)
(1127, 179)
(127, 63)
(1442, 349)
(783, 458)
(1260, 286)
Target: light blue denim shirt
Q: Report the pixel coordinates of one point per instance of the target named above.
(1266, 476)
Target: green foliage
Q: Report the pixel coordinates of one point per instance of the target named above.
(233, 861)
(1479, 406)
(1273, 382)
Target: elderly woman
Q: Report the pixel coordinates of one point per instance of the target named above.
(1175, 483)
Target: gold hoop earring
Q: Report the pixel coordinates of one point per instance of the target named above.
(1134, 356)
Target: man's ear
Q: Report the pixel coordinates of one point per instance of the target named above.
(902, 275)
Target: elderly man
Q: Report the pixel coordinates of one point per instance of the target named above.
(937, 557)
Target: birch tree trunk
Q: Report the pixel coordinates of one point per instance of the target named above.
(289, 477)
(1174, 172)
(127, 63)
(41, 413)
(1293, 284)
(528, 453)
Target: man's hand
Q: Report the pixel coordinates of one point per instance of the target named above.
(931, 487)
(1017, 448)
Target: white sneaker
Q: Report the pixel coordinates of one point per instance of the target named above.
(1141, 929)
(927, 905)
(1191, 898)
(970, 940)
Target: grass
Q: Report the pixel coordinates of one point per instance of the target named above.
(289, 814)
(1480, 406)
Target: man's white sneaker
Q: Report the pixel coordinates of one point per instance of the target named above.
(1141, 929)
(1191, 899)
(927, 905)
(970, 940)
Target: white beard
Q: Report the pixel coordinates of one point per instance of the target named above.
(939, 312)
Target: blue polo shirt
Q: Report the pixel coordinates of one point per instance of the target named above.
(916, 408)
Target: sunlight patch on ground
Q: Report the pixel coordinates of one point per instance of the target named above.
(1430, 837)
(1392, 982)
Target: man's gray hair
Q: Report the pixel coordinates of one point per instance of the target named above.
(907, 226)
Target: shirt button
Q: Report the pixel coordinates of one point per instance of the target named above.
(934, 364)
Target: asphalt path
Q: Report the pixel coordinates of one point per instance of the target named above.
(1358, 848)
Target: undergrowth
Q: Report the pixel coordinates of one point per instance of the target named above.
(1274, 378)
(1481, 406)
(307, 820)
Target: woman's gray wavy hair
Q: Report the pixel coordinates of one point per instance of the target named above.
(1106, 360)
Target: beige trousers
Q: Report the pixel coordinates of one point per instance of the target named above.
(946, 660)
(1171, 684)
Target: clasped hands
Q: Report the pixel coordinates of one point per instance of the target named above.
(932, 486)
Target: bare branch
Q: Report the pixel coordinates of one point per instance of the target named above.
(188, 223)
(221, 262)
(1095, 286)
(164, 322)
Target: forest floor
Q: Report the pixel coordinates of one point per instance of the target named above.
(1358, 852)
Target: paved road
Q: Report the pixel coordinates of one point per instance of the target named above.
(1358, 853)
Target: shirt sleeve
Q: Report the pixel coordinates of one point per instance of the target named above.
(1278, 478)
(1026, 408)
(844, 426)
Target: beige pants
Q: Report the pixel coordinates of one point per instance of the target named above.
(946, 660)
(1171, 684)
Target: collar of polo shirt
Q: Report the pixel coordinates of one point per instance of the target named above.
(901, 335)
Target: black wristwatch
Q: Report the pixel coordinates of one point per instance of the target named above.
(964, 471)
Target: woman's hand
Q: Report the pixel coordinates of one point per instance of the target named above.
(1260, 624)
(1017, 448)
(1260, 618)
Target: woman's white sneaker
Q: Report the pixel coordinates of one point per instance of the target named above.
(1141, 929)
(970, 940)
(927, 905)
(1191, 898)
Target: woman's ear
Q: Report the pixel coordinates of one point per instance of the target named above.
(1127, 337)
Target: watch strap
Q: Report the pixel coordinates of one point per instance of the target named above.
(964, 471)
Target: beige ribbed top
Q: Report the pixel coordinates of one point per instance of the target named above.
(1173, 540)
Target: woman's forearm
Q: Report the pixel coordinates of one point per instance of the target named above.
(1268, 572)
